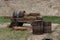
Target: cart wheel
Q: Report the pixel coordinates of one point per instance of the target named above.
(12, 24)
(20, 23)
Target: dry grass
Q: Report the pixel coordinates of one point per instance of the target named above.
(9, 34)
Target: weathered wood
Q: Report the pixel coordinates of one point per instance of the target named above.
(39, 18)
(24, 19)
(37, 27)
(19, 28)
(33, 14)
(47, 27)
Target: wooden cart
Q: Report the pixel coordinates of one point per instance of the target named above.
(34, 19)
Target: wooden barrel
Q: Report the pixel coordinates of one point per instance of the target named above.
(37, 27)
(47, 27)
(18, 14)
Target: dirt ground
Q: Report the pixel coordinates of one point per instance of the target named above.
(54, 34)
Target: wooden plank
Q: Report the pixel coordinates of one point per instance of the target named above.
(20, 28)
(26, 18)
(33, 14)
